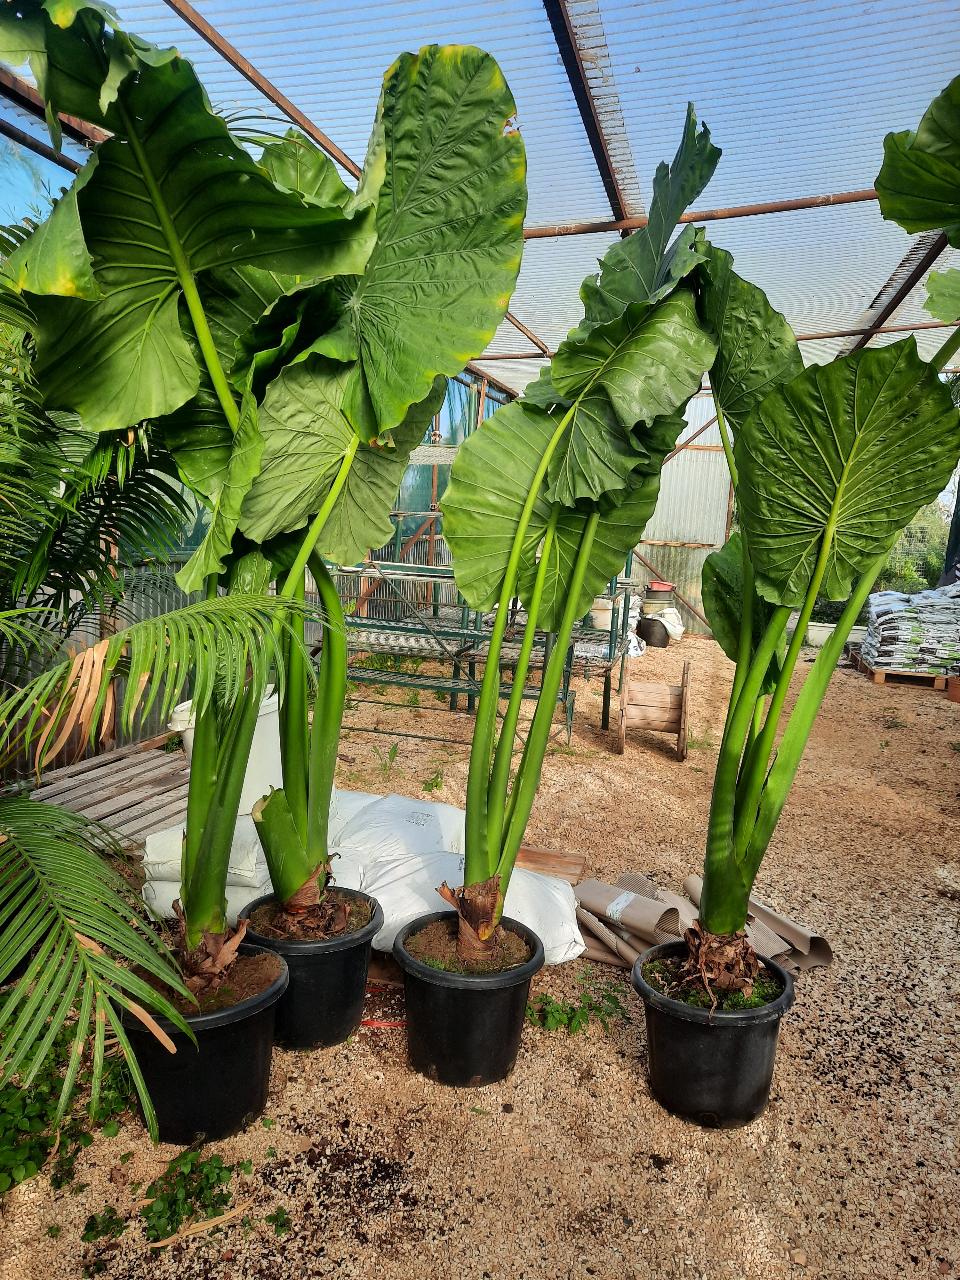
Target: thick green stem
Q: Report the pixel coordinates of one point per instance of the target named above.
(750, 784)
(203, 774)
(798, 727)
(320, 519)
(294, 729)
(327, 715)
(727, 443)
(477, 863)
(500, 777)
(947, 351)
(723, 890)
(531, 762)
(203, 896)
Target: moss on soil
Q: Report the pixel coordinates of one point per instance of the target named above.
(662, 976)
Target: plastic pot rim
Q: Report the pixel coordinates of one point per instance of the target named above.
(224, 1017)
(468, 981)
(315, 946)
(773, 1011)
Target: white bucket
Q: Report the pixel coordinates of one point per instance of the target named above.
(264, 769)
(601, 614)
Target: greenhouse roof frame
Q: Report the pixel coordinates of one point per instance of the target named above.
(592, 39)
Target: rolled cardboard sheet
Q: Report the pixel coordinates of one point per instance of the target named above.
(597, 952)
(644, 914)
(806, 950)
(607, 937)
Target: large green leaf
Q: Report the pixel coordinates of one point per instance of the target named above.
(171, 196)
(919, 181)
(723, 602)
(297, 164)
(640, 268)
(637, 368)
(306, 437)
(492, 474)
(757, 348)
(449, 232)
(243, 467)
(943, 295)
(847, 452)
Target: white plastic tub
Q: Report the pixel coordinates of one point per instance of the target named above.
(263, 768)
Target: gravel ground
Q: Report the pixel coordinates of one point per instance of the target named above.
(569, 1169)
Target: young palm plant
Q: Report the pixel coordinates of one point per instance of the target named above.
(549, 495)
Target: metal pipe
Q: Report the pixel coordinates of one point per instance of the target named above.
(39, 148)
(259, 81)
(704, 215)
(528, 333)
(24, 95)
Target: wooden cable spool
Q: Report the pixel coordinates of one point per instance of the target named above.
(659, 708)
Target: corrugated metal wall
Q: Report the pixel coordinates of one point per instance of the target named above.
(693, 509)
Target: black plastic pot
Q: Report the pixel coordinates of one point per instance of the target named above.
(713, 1068)
(464, 1029)
(218, 1086)
(323, 1004)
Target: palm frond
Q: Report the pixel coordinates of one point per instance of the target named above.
(225, 645)
(87, 939)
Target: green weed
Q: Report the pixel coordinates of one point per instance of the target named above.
(189, 1189)
(386, 759)
(599, 1002)
(435, 781)
(280, 1220)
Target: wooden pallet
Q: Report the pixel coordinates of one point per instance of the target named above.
(660, 708)
(142, 789)
(881, 675)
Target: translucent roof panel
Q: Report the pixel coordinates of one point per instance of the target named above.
(329, 60)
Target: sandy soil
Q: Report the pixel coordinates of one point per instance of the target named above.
(569, 1169)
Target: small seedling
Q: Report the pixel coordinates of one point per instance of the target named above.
(413, 698)
(598, 1002)
(435, 781)
(53, 1230)
(190, 1188)
(280, 1220)
(268, 1122)
(701, 742)
(387, 759)
(893, 722)
(103, 1226)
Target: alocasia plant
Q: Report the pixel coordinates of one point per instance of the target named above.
(289, 338)
(829, 465)
(549, 495)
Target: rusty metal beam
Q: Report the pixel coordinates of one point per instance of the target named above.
(260, 82)
(566, 38)
(24, 139)
(705, 215)
(903, 290)
(23, 95)
(529, 334)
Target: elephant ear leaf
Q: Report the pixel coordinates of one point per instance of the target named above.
(492, 475)
(919, 182)
(306, 438)
(834, 464)
(242, 469)
(639, 367)
(641, 268)
(757, 349)
(723, 603)
(943, 295)
(296, 164)
(170, 196)
(449, 213)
